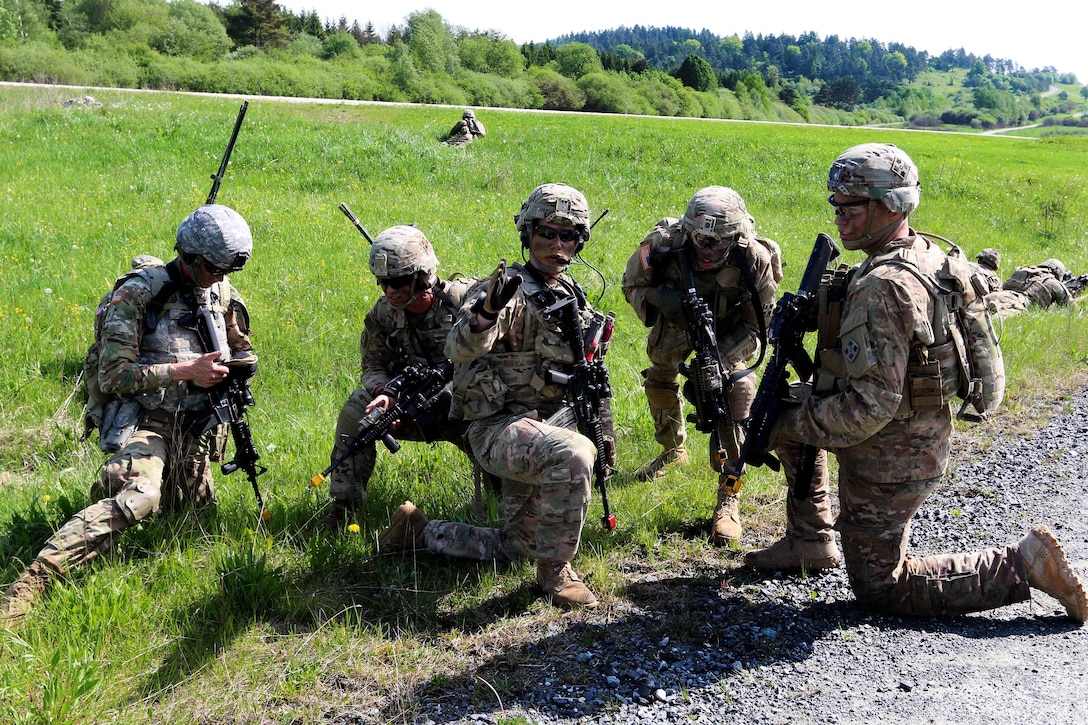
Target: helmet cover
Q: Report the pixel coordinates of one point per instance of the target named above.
(989, 258)
(1055, 266)
(402, 250)
(879, 171)
(718, 212)
(218, 234)
(554, 203)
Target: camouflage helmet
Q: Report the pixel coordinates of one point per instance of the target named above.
(218, 234)
(880, 171)
(718, 212)
(402, 250)
(989, 258)
(469, 113)
(143, 261)
(1055, 266)
(554, 203)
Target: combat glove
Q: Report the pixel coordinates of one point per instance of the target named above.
(500, 290)
(669, 303)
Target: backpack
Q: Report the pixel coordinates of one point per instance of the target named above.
(981, 368)
(101, 410)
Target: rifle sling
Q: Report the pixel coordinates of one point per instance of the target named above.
(736, 258)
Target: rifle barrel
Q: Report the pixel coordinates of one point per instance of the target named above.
(217, 178)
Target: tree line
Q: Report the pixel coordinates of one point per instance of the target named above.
(258, 47)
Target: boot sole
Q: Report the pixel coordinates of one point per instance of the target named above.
(1072, 594)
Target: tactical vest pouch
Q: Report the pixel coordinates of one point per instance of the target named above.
(120, 419)
(932, 382)
(94, 408)
(478, 391)
(977, 370)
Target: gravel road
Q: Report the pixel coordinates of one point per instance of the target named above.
(693, 647)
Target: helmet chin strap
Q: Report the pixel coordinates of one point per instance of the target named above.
(868, 235)
(421, 299)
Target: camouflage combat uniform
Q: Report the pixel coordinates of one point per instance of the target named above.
(499, 387)
(465, 130)
(892, 453)
(725, 292)
(1028, 287)
(990, 282)
(161, 463)
(392, 339)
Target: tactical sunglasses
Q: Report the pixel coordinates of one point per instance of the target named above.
(705, 241)
(565, 235)
(395, 282)
(840, 205)
(212, 270)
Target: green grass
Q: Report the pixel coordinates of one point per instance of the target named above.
(198, 619)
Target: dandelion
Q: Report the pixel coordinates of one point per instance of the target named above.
(270, 447)
(47, 498)
(48, 291)
(353, 528)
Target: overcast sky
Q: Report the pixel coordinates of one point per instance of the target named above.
(1034, 36)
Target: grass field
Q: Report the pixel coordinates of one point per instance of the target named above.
(216, 619)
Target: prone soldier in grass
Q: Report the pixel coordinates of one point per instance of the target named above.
(466, 130)
(1044, 285)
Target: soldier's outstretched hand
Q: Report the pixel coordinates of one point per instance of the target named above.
(500, 290)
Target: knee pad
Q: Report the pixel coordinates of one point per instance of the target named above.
(137, 502)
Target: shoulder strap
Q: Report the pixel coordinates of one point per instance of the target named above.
(158, 301)
(737, 259)
(443, 296)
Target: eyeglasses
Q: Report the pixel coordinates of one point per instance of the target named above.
(705, 241)
(565, 235)
(395, 282)
(840, 206)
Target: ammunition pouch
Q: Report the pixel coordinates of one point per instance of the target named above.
(120, 419)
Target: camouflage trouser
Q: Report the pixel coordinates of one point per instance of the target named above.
(1007, 303)
(809, 519)
(160, 466)
(348, 481)
(667, 347)
(875, 525)
(546, 474)
(461, 139)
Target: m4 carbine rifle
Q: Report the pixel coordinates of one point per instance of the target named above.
(229, 400)
(420, 394)
(587, 386)
(793, 317)
(1075, 285)
(708, 384)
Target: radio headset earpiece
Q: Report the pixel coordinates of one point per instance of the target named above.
(526, 236)
(583, 237)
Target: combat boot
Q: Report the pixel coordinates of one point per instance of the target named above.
(405, 530)
(1048, 570)
(24, 592)
(790, 554)
(726, 524)
(659, 466)
(341, 513)
(562, 586)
